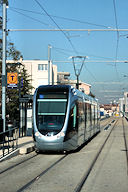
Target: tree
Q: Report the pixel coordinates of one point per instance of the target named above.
(12, 95)
(24, 86)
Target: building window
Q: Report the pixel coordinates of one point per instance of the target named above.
(42, 67)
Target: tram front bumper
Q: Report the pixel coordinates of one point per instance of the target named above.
(42, 146)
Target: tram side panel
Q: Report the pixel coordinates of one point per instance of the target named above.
(98, 118)
(71, 137)
(81, 122)
(87, 121)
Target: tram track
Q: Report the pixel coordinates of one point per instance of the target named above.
(17, 164)
(41, 174)
(87, 173)
(53, 172)
(26, 186)
(125, 143)
(84, 178)
(105, 124)
(36, 177)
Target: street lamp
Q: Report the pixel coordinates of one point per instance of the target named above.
(78, 71)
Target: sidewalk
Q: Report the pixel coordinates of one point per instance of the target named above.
(25, 145)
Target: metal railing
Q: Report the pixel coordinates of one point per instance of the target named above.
(8, 141)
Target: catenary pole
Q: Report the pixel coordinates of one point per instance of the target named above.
(4, 66)
(49, 64)
(78, 71)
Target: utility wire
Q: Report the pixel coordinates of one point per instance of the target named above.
(57, 26)
(64, 18)
(117, 45)
(93, 76)
(118, 36)
(67, 50)
(31, 17)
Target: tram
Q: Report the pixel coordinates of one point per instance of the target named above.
(63, 118)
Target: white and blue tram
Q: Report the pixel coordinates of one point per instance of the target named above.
(63, 118)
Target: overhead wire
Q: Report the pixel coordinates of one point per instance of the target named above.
(68, 38)
(118, 36)
(64, 18)
(117, 44)
(67, 50)
(57, 26)
(93, 76)
(30, 17)
(15, 9)
(73, 47)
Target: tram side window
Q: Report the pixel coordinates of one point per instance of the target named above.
(93, 114)
(72, 119)
(88, 113)
(96, 114)
(81, 112)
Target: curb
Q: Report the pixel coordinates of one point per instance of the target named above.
(26, 149)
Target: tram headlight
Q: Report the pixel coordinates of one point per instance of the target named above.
(61, 134)
(37, 134)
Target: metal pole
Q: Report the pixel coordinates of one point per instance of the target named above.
(84, 30)
(49, 67)
(78, 71)
(77, 84)
(4, 69)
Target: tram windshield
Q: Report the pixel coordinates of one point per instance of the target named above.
(51, 112)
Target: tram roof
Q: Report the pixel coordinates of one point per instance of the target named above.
(66, 88)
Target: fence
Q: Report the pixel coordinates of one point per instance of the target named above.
(8, 141)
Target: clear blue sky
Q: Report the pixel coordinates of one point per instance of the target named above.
(106, 79)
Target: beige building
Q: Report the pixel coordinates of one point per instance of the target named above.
(63, 78)
(85, 87)
(38, 72)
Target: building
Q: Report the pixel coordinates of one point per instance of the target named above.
(63, 78)
(41, 72)
(123, 103)
(109, 109)
(121, 106)
(38, 71)
(126, 101)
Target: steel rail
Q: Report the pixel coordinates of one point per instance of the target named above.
(17, 164)
(84, 178)
(41, 174)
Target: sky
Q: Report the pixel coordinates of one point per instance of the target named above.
(101, 48)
